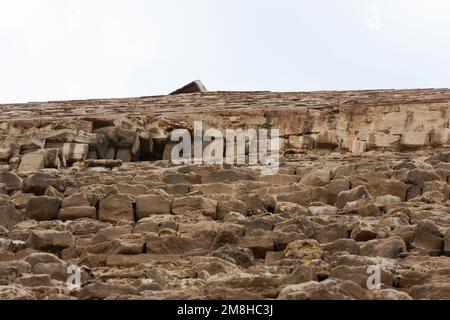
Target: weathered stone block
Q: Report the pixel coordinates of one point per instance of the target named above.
(43, 208)
(116, 208)
(415, 139)
(73, 213)
(5, 154)
(10, 179)
(33, 161)
(354, 194)
(50, 240)
(147, 205)
(73, 152)
(194, 204)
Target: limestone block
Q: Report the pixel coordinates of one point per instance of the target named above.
(52, 159)
(415, 139)
(301, 142)
(33, 161)
(381, 140)
(394, 122)
(116, 208)
(75, 151)
(358, 146)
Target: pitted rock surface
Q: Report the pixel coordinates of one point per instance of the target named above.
(363, 182)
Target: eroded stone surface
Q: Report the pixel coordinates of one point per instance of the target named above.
(363, 182)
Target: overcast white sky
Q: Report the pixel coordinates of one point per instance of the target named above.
(73, 49)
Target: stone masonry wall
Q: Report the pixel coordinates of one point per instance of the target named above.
(363, 183)
(60, 134)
